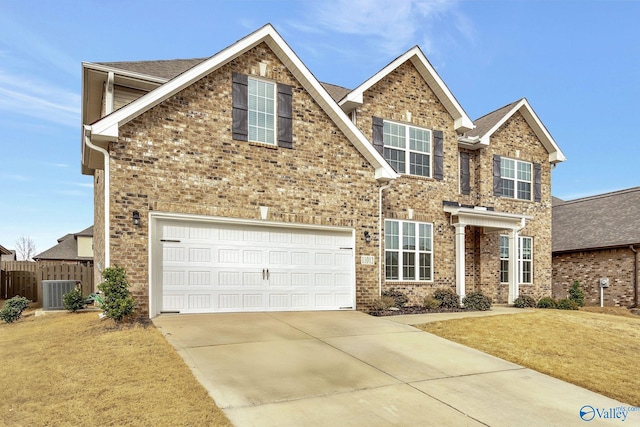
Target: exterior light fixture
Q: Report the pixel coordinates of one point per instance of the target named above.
(136, 218)
(367, 236)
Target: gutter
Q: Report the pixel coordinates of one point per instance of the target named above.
(105, 153)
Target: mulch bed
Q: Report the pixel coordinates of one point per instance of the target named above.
(415, 310)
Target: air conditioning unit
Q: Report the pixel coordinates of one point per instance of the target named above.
(53, 291)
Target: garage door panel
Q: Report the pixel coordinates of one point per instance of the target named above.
(208, 267)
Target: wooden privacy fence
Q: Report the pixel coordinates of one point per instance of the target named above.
(25, 278)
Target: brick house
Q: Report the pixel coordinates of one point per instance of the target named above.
(598, 237)
(241, 183)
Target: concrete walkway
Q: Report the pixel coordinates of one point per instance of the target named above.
(350, 369)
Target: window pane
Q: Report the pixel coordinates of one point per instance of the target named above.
(391, 266)
(524, 190)
(425, 266)
(394, 135)
(504, 271)
(261, 111)
(526, 272)
(425, 237)
(395, 159)
(504, 247)
(507, 168)
(419, 164)
(391, 235)
(408, 235)
(408, 266)
(419, 140)
(526, 248)
(524, 171)
(508, 188)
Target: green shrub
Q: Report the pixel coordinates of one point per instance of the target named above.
(383, 303)
(430, 303)
(447, 297)
(13, 308)
(476, 301)
(73, 301)
(525, 301)
(117, 302)
(567, 304)
(547, 302)
(576, 293)
(399, 297)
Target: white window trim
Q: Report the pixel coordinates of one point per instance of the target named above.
(416, 251)
(519, 269)
(516, 180)
(407, 150)
(275, 111)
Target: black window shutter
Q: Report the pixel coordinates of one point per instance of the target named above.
(285, 116)
(438, 155)
(497, 176)
(537, 182)
(378, 134)
(465, 174)
(240, 104)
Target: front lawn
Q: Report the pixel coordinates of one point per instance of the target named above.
(592, 350)
(74, 369)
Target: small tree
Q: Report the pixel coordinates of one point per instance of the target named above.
(25, 248)
(576, 293)
(13, 308)
(73, 301)
(117, 301)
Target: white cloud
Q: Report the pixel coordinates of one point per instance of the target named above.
(39, 99)
(393, 26)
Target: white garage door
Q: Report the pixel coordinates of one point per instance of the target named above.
(213, 267)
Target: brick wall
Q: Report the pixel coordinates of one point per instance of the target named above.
(404, 90)
(180, 157)
(588, 267)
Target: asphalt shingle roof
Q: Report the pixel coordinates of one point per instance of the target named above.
(488, 121)
(170, 68)
(602, 221)
(67, 248)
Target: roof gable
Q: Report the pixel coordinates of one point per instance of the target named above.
(602, 221)
(107, 128)
(4, 251)
(488, 124)
(462, 122)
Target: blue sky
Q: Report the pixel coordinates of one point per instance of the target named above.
(577, 62)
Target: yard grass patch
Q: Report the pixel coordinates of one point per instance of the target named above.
(73, 369)
(596, 351)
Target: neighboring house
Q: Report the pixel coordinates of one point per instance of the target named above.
(7, 254)
(598, 237)
(241, 183)
(74, 248)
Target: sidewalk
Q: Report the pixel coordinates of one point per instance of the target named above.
(418, 319)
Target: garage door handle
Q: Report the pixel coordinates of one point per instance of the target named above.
(170, 241)
(267, 274)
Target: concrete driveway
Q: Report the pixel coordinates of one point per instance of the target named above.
(350, 369)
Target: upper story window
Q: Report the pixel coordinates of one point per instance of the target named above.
(516, 179)
(408, 251)
(407, 148)
(262, 111)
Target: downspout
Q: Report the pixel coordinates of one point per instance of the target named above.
(105, 153)
(380, 239)
(635, 277)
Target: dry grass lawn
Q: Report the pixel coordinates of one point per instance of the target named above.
(593, 350)
(74, 369)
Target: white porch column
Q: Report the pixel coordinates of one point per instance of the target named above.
(513, 266)
(460, 260)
